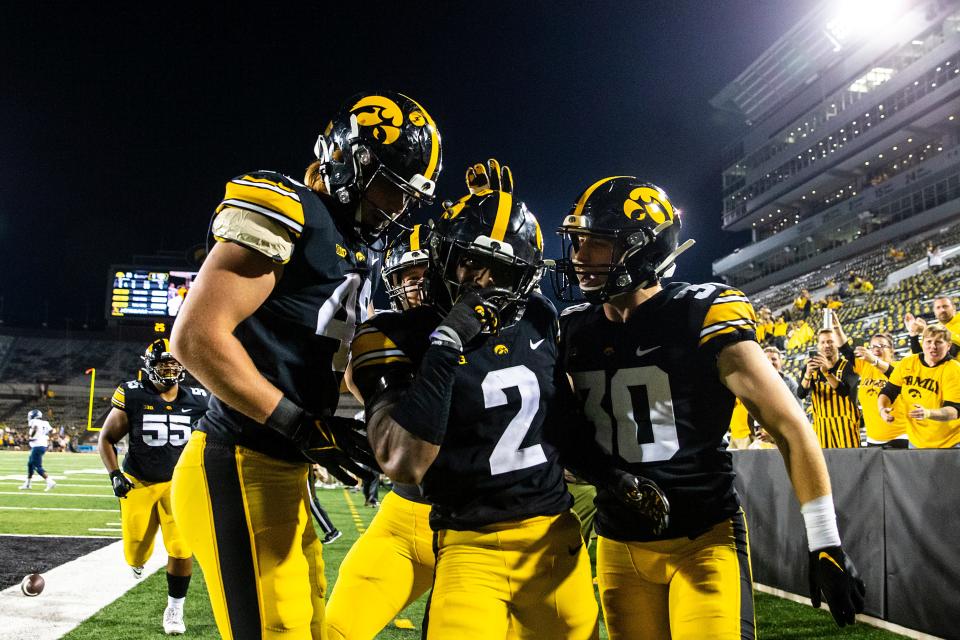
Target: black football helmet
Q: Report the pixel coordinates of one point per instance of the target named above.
(161, 368)
(380, 136)
(410, 249)
(643, 228)
(493, 228)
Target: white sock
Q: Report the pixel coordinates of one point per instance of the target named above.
(176, 603)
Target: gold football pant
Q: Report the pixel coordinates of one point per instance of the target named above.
(246, 516)
(526, 578)
(388, 567)
(678, 588)
(147, 507)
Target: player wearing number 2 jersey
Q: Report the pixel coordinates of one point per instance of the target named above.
(275, 300)
(156, 414)
(463, 413)
(657, 368)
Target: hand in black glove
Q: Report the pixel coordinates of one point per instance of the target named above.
(121, 484)
(338, 444)
(471, 315)
(833, 575)
(492, 177)
(644, 497)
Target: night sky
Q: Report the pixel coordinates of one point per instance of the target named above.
(119, 125)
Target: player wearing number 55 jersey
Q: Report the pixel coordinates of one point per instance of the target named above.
(657, 368)
(156, 414)
(276, 299)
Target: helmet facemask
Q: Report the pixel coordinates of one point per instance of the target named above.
(162, 369)
(514, 278)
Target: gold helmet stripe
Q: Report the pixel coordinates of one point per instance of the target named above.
(578, 209)
(432, 167)
(539, 235)
(415, 238)
(504, 206)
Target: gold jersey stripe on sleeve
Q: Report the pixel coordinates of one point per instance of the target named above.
(730, 311)
(119, 398)
(371, 346)
(266, 197)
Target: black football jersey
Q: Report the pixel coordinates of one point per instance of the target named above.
(158, 429)
(495, 464)
(313, 310)
(651, 389)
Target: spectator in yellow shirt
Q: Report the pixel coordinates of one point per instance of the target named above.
(874, 364)
(931, 382)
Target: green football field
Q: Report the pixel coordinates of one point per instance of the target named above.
(83, 504)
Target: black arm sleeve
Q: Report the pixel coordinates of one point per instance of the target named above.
(915, 345)
(803, 392)
(848, 384)
(891, 390)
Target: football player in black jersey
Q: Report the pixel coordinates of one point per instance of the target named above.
(392, 563)
(657, 368)
(276, 299)
(459, 394)
(157, 413)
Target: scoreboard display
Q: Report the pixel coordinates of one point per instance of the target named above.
(147, 294)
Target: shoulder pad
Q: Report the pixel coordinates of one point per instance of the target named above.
(269, 193)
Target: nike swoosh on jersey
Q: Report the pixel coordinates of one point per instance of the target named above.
(186, 410)
(534, 345)
(643, 352)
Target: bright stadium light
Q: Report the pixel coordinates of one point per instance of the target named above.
(856, 18)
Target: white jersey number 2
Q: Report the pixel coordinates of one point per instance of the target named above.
(508, 455)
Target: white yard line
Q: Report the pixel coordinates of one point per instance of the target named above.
(870, 620)
(55, 509)
(74, 591)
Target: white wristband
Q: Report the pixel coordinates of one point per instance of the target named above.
(821, 522)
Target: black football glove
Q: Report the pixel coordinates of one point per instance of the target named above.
(834, 578)
(492, 177)
(471, 315)
(338, 444)
(644, 497)
(121, 484)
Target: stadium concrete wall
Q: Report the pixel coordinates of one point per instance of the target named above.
(899, 517)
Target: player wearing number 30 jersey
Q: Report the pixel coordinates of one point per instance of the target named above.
(657, 368)
(156, 414)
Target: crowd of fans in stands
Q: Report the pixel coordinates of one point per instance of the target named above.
(850, 385)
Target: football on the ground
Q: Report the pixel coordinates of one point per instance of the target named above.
(32, 585)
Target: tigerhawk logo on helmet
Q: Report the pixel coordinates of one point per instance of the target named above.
(380, 136)
(637, 226)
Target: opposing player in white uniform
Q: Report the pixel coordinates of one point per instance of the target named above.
(39, 439)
